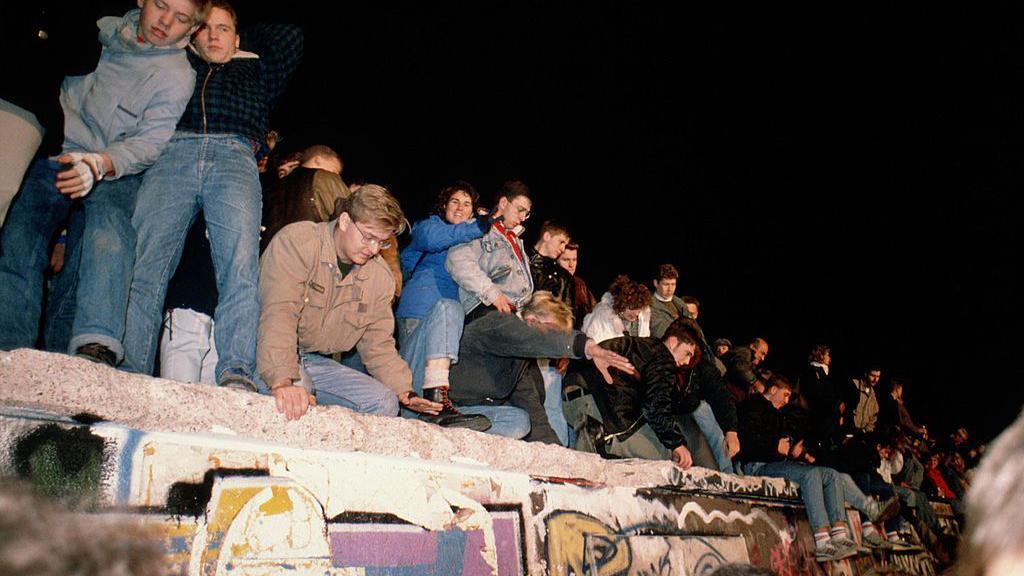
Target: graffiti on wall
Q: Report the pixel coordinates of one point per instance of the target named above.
(235, 504)
(579, 544)
(389, 548)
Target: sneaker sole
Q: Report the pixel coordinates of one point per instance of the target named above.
(475, 424)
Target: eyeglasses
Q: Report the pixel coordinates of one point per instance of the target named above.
(372, 241)
(524, 212)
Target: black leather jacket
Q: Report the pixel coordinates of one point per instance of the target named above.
(549, 275)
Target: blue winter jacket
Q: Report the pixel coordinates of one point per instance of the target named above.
(427, 280)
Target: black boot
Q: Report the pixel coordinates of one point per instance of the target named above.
(450, 417)
(97, 353)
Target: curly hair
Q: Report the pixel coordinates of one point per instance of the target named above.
(667, 272)
(628, 295)
(818, 353)
(448, 191)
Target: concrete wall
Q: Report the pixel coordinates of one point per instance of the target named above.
(227, 503)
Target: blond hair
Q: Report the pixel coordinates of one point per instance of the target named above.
(374, 205)
(547, 308)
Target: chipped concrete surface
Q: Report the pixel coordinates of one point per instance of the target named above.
(69, 386)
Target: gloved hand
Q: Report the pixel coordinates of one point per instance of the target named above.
(484, 221)
(86, 169)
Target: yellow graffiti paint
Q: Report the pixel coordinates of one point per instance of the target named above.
(231, 501)
(279, 503)
(567, 546)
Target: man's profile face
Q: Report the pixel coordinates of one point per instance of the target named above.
(514, 212)
(166, 22)
(666, 288)
(760, 353)
(682, 351)
(568, 260)
(721, 350)
(217, 39)
(692, 309)
(778, 396)
(552, 245)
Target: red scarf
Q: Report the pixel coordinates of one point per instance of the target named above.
(512, 239)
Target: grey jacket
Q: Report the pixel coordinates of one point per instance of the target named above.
(129, 105)
(487, 267)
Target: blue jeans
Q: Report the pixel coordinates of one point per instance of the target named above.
(553, 400)
(216, 174)
(821, 492)
(338, 385)
(437, 336)
(705, 419)
(104, 268)
(60, 304)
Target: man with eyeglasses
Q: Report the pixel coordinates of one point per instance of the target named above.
(494, 270)
(325, 289)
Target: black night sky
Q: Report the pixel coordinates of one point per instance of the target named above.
(846, 177)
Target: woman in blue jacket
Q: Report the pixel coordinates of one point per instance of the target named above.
(430, 318)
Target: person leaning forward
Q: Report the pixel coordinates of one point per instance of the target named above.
(325, 288)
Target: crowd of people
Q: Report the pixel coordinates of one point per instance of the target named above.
(191, 251)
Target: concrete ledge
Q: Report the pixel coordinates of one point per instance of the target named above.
(69, 386)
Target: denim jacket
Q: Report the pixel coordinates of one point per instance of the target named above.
(129, 105)
(487, 267)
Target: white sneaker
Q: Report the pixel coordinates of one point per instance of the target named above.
(836, 549)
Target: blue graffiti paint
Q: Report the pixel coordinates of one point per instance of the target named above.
(125, 462)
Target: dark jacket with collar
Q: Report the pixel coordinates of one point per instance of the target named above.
(549, 275)
(305, 195)
(497, 365)
(236, 97)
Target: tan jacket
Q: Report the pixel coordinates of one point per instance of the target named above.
(285, 202)
(306, 305)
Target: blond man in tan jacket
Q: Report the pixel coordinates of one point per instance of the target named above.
(324, 289)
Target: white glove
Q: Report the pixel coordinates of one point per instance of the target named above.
(90, 167)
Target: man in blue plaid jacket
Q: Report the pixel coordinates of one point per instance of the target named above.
(210, 165)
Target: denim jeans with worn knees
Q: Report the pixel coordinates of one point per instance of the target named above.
(217, 174)
(822, 508)
(435, 336)
(338, 385)
(104, 268)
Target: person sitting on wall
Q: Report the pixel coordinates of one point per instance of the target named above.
(430, 317)
(498, 353)
(651, 414)
(324, 289)
(624, 310)
(766, 451)
(493, 271)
